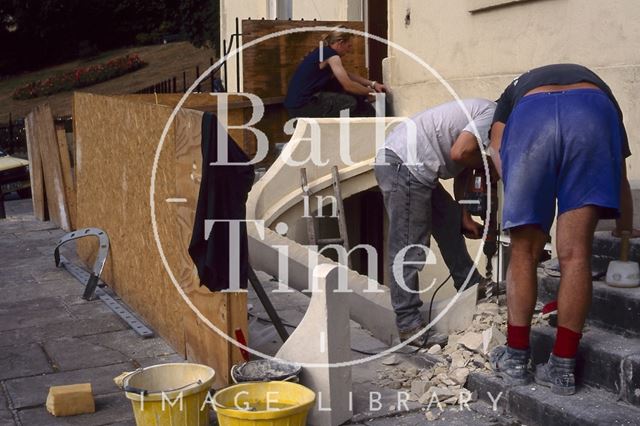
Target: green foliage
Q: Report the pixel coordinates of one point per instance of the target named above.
(35, 33)
(201, 21)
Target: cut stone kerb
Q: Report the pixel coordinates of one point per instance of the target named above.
(323, 337)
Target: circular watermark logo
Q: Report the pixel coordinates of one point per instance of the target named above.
(281, 227)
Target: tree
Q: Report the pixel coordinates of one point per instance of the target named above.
(201, 22)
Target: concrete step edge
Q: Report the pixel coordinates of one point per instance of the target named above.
(605, 360)
(537, 405)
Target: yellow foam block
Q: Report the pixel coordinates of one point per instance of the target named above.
(70, 400)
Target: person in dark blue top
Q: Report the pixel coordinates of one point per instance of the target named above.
(557, 137)
(321, 87)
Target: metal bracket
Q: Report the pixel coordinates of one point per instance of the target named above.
(92, 281)
(101, 258)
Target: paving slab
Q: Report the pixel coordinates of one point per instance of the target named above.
(165, 359)
(35, 313)
(71, 327)
(109, 409)
(23, 360)
(4, 403)
(29, 289)
(130, 344)
(73, 353)
(6, 418)
(12, 276)
(32, 391)
(83, 310)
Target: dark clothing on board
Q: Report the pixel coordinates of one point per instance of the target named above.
(223, 195)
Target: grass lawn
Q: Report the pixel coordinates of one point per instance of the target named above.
(164, 61)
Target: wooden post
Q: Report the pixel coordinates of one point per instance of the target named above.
(184, 81)
(174, 85)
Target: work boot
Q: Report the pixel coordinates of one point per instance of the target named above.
(425, 340)
(511, 364)
(557, 373)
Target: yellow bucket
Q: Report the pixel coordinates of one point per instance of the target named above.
(175, 394)
(263, 404)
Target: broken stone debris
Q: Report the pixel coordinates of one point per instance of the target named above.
(466, 351)
(491, 338)
(434, 349)
(431, 416)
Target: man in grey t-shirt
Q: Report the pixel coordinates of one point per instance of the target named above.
(438, 143)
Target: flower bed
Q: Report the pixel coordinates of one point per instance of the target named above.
(80, 77)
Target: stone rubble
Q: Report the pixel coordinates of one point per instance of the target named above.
(466, 351)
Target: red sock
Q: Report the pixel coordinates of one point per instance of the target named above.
(518, 336)
(567, 342)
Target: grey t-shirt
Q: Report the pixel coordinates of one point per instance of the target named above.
(436, 130)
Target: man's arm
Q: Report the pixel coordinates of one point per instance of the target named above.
(497, 129)
(625, 221)
(465, 151)
(342, 76)
(377, 86)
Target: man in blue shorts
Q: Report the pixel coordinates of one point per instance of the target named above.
(560, 135)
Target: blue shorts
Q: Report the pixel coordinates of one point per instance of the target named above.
(565, 146)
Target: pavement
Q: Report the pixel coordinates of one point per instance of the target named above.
(50, 336)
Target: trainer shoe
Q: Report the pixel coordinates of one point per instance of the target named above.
(557, 373)
(511, 364)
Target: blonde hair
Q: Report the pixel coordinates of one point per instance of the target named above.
(337, 35)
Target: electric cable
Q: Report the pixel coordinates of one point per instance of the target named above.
(360, 351)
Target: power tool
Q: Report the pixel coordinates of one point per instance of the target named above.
(475, 200)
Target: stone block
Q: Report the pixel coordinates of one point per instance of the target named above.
(32, 391)
(70, 400)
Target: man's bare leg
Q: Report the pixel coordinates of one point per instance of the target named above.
(511, 362)
(527, 243)
(574, 239)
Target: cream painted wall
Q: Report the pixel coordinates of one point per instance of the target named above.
(243, 9)
(480, 53)
(328, 10)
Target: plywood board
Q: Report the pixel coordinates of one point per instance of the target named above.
(67, 175)
(116, 141)
(268, 66)
(227, 310)
(115, 146)
(45, 136)
(40, 210)
(240, 112)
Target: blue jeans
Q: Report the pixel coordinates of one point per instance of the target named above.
(415, 212)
